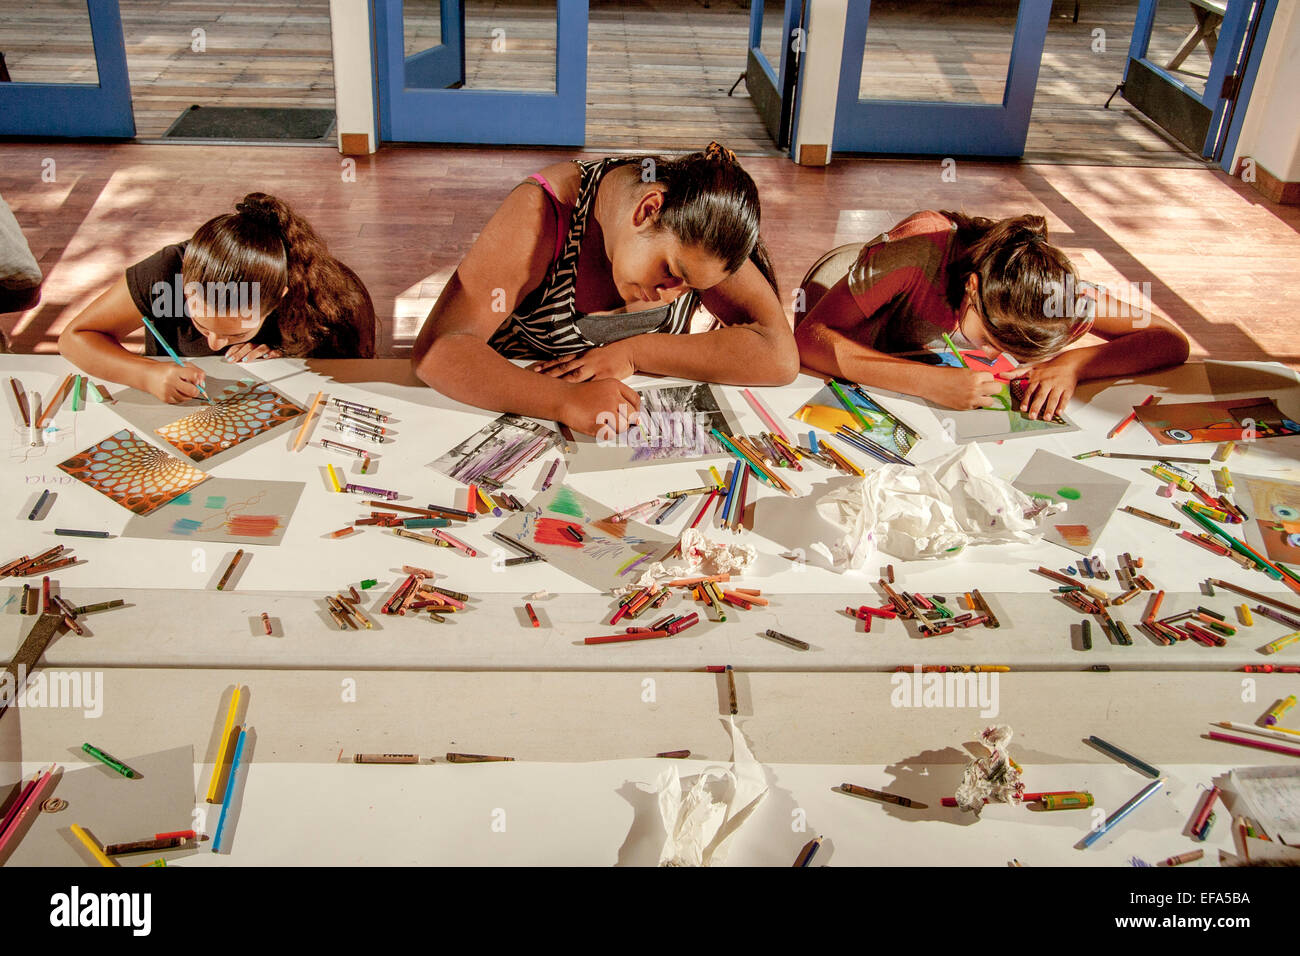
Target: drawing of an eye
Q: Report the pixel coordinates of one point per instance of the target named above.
(1178, 434)
(1293, 540)
(1286, 512)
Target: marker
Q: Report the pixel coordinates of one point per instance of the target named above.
(1278, 709)
(1123, 811)
(1123, 757)
(40, 503)
(109, 760)
(1130, 418)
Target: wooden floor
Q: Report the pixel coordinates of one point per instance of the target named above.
(658, 70)
(1220, 260)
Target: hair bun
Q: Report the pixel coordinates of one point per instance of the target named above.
(260, 208)
(717, 151)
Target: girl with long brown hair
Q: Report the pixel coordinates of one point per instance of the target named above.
(254, 283)
(997, 283)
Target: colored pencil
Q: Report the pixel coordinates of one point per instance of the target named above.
(231, 712)
(947, 340)
(21, 398)
(302, 429)
(55, 401)
(226, 802)
(1258, 744)
(756, 403)
(170, 351)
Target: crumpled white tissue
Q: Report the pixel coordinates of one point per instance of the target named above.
(995, 777)
(701, 828)
(702, 556)
(930, 510)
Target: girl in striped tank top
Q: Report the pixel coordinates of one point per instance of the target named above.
(593, 271)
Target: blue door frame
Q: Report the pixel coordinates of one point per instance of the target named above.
(1197, 119)
(413, 109)
(77, 109)
(772, 88)
(945, 129)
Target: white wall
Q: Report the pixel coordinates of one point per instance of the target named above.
(1270, 133)
(354, 80)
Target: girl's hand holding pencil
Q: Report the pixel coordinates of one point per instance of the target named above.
(596, 406)
(1048, 387)
(174, 384)
(961, 388)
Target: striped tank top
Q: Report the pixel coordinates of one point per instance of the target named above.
(547, 324)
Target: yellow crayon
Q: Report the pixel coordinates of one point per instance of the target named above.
(1247, 618)
(92, 846)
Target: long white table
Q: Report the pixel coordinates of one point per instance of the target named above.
(488, 682)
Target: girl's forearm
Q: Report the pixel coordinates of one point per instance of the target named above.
(833, 353)
(469, 370)
(101, 356)
(1130, 354)
(732, 355)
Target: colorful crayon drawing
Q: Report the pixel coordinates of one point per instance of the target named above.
(1234, 419)
(243, 410)
(240, 511)
(1090, 496)
(826, 412)
(137, 475)
(1274, 508)
(1000, 422)
(493, 454)
(603, 550)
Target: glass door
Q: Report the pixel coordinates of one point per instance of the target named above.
(450, 73)
(1186, 65)
(64, 70)
(942, 78)
(775, 32)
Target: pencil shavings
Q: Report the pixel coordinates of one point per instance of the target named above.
(991, 778)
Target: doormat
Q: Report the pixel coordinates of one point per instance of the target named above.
(255, 122)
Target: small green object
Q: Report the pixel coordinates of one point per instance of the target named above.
(1072, 494)
(76, 394)
(947, 340)
(96, 393)
(426, 523)
(109, 760)
(367, 584)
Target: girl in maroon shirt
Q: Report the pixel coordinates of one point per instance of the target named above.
(997, 283)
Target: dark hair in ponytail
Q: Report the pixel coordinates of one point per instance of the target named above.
(1019, 274)
(264, 241)
(710, 202)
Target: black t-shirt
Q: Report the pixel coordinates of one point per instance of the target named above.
(156, 288)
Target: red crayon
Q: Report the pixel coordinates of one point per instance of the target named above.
(532, 615)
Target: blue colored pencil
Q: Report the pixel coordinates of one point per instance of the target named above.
(1123, 811)
(230, 790)
(731, 492)
(170, 351)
